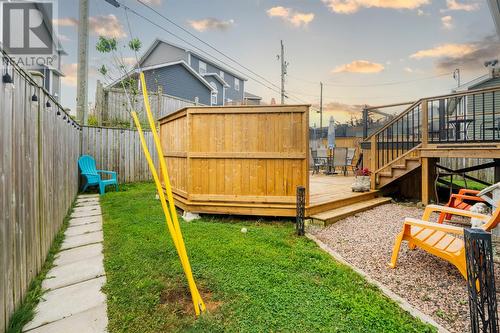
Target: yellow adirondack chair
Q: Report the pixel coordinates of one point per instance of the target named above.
(440, 239)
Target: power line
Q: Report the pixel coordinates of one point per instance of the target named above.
(338, 84)
(203, 51)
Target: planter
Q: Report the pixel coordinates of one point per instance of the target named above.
(361, 184)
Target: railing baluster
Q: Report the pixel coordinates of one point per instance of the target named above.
(473, 117)
(494, 120)
(483, 119)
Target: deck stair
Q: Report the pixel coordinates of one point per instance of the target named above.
(397, 168)
(336, 214)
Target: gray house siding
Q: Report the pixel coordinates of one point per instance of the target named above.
(177, 81)
(488, 84)
(164, 53)
(231, 92)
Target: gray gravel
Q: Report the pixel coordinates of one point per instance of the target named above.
(430, 284)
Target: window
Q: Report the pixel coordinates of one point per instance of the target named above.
(202, 67)
(221, 74)
(214, 93)
(236, 84)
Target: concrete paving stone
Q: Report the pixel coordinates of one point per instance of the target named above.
(78, 254)
(65, 302)
(66, 275)
(85, 200)
(85, 212)
(80, 240)
(86, 205)
(83, 229)
(93, 320)
(84, 196)
(84, 220)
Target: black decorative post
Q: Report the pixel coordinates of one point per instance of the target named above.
(301, 210)
(481, 281)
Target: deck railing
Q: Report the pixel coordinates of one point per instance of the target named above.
(464, 117)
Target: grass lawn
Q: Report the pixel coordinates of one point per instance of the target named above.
(267, 280)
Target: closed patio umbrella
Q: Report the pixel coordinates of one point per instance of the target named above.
(331, 133)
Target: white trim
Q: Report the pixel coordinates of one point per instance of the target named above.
(189, 59)
(224, 96)
(218, 78)
(242, 78)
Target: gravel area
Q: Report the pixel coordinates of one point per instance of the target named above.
(432, 285)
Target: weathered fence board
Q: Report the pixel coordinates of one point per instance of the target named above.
(38, 182)
(112, 106)
(119, 150)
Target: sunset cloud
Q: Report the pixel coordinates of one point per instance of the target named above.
(65, 22)
(482, 50)
(455, 5)
(291, 16)
(70, 74)
(445, 50)
(447, 22)
(210, 24)
(359, 66)
(101, 25)
(352, 6)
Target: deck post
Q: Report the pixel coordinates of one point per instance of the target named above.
(497, 170)
(425, 123)
(428, 176)
(373, 162)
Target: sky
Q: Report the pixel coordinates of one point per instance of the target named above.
(371, 52)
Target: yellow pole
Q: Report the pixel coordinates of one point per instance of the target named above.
(168, 189)
(196, 298)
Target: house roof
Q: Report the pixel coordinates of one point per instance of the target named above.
(218, 78)
(252, 96)
(158, 41)
(167, 64)
(477, 81)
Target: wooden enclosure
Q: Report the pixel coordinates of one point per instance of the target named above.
(244, 160)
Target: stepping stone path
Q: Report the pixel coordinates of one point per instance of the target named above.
(74, 301)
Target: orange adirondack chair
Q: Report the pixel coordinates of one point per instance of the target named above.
(457, 201)
(440, 239)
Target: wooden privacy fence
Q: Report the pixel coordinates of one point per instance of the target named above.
(38, 181)
(111, 105)
(239, 160)
(119, 150)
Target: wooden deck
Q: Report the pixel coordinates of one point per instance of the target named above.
(331, 192)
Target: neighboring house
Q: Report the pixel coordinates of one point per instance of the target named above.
(491, 79)
(251, 99)
(182, 73)
(53, 74)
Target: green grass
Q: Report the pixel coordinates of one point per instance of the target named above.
(472, 185)
(267, 280)
(26, 311)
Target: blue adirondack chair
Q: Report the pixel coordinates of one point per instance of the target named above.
(93, 176)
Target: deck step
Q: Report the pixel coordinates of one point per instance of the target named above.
(401, 166)
(337, 214)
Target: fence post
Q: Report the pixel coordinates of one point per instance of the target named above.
(99, 102)
(301, 210)
(481, 281)
(373, 161)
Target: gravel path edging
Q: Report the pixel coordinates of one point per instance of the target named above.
(398, 299)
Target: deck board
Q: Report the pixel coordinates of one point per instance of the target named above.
(330, 188)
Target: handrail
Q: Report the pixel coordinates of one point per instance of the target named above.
(417, 147)
(432, 98)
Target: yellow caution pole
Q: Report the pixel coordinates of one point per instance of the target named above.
(199, 305)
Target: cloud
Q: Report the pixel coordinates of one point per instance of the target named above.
(107, 26)
(454, 5)
(445, 50)
(340, 111)
(210, 24)
(70, 74)
(352, 6)
(359, 66)
(478, 52)
(408, 70)
(447, 22)
(65, 22)
(101, 25)
(297, 19)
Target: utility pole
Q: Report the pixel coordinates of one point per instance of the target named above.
(321, 106)
(456, 76)
(83, 62)
(284, 66)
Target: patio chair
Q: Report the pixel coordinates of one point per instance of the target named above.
(351, 153)
(340, 159)
(441, 240)
(93, 176)
(457, 201)
(316, 163)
